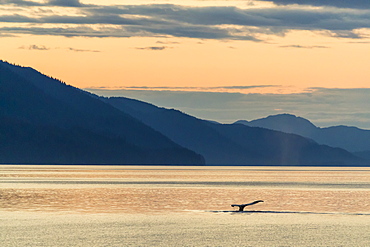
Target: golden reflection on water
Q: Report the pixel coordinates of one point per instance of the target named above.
(138, 190)
(286, 174)
(150, 200)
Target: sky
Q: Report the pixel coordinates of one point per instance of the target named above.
(228, 59)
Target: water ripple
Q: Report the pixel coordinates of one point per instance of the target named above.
(197, 183)
(286, 212)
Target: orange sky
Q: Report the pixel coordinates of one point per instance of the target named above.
(301, 56)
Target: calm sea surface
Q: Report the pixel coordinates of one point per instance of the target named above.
(183, 206)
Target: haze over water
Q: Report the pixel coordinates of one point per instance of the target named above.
(183, 206)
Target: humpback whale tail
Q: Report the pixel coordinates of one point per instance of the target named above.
(242, 206)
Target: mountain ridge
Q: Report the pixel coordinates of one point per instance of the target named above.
(350, 138)
(35, 100)
(43, 120)
(220, 143)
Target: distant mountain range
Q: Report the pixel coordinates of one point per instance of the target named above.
(352, 139)
(43, 120)
(233, 144)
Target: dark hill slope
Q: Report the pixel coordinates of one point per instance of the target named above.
(25, 143)
(235, 144)
(278, 148)
(46, 109)
(188, 131)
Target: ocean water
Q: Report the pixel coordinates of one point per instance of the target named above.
(183, 206)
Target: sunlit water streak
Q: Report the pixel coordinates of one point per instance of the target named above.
(183, 206)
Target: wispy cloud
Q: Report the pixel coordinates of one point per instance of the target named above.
(65, 3)
(62, 3)
(304, 46)
(81, 50)
(357, 4)
(251, 89)
(20, 3)
(44, 48)
(153, 48)
(167, 42)
(35, 47)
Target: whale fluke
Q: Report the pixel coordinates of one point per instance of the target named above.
(242, 206)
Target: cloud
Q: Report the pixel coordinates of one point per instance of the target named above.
(6, 35)
(80, 31)
(167, 42)
(304, 46)
(15, 18)
(153, 48)
(20, 3)
(81, 50)
(66, 3)
(61, 3)
(283, 18)
(251, 89)
(44, 48)
(169, 20)
(35, 47)
(323, 106)
(345, 34)
(352, 4)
